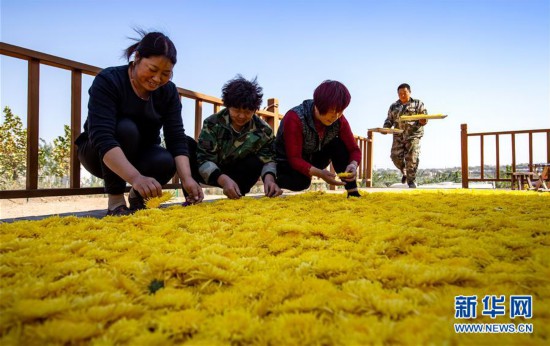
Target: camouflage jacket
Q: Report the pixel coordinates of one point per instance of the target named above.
(410, 129)
(219, 145)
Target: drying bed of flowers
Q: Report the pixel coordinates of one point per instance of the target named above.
(309, 269)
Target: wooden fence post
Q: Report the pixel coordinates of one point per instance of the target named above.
(33, 109)
(464, 154)
(368, 178)
(198, 118)
(273, 106)
(76, 106)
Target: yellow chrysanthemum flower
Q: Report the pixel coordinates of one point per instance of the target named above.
(345, 175)
(155, 202)
(313, 268)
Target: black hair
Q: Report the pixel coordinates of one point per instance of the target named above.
(242, 93)
(152, 44)
(404, 85)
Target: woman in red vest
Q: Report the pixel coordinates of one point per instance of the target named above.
(314, 134)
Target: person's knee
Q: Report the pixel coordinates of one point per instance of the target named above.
(127, 134)
(253, 161)
(250, 173)
(164, 162)
(157, 162)
(302, 184)
(295, 182)
(162, 158)
(191, 143)
(126, 125)
(338, 155)
(396, 157)
(89, 158)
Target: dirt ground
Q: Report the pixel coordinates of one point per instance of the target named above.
(23, 207)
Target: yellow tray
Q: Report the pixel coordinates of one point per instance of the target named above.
(385, 130)
(421, 116)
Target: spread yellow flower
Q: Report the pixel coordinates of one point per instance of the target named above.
(345, 175)
(307, 269)
(155, 202)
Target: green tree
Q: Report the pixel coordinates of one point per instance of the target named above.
(54, 160)
(46, 164)
(13, 151)
(456, 176)
(506, 174)
(61, 153)
(385, 178)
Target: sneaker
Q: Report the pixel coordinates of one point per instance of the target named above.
(412, 185)
(403, 179)
(121, 210)
(136, 202)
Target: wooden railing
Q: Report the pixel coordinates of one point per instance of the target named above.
(367, 150)
(499, 176)
(270, 114)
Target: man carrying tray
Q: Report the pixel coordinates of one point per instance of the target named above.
(405, 149)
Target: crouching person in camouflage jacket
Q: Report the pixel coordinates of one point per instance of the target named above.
(235, 145)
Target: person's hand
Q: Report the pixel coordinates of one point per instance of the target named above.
(194, 191)
(351, 168)
(230, 187)
(147, 187)
(329, 177)
(423, 122)
(271, 189)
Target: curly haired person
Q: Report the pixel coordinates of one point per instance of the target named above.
(235, 145)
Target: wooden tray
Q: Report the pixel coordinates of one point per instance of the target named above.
(422, 116)
(385, 130)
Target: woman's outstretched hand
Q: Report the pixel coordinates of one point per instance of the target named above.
(327, 176)
(194, 191)
(230, 187)
(271, 189)
(147, 187)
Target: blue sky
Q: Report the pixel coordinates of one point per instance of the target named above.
(483, 62)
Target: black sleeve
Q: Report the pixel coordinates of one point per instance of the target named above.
(174, 133)
(102, 113)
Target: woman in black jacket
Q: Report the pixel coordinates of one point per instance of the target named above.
(128, 106)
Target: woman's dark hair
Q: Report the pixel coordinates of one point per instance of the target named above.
(152, 44)
(243, 94)
(331, 95)
(404, 85)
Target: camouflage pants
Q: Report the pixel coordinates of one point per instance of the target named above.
(404, 154)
